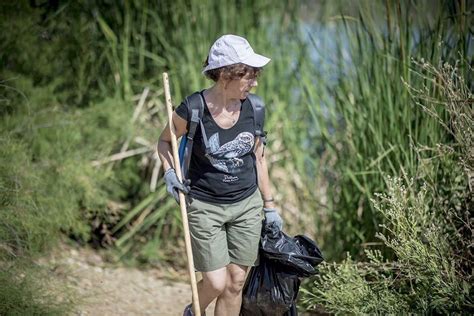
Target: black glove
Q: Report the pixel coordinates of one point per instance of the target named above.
(173, 184)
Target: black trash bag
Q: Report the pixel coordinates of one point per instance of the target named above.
(272, 287)
(300, 254)
(269, 290)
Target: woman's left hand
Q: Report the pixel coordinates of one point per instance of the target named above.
(272, 216)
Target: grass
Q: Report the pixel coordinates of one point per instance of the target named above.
(377, 126)
(182, 53)
(340, 115)
(25, 289)
(426, 226)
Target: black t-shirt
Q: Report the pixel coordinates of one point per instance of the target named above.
(228, 173)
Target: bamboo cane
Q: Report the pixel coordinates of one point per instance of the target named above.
(182, 201)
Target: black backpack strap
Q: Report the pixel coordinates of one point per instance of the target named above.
(195, 106)
(259, 116)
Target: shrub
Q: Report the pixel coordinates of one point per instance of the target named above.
(427, 223)
(423, 279)
(27, 290)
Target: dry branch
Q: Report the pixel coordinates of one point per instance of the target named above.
(122, 155)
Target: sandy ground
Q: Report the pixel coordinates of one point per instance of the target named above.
(102, 289)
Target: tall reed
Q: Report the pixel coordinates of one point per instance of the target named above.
(176, 37)
(377, 126)
(338, 116)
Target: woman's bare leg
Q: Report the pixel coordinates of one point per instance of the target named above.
(229, 301)
(213, 283)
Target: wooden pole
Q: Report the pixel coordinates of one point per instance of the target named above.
(182, 200)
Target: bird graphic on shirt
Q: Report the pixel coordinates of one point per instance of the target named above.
(227, 157)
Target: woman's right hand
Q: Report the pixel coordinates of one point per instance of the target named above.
(173, 184)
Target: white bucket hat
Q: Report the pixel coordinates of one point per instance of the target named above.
(232, 49)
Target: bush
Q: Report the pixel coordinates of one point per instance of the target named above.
(370, 125)
(49, 187)
(427, 223)
(423, 279)
(26, 290)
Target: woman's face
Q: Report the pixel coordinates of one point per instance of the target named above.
(240, 88)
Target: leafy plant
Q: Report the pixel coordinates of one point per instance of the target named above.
(427, 223)
(369, 125)
(25, 290)
(423, 279)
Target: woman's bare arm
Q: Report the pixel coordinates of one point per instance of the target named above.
(262, 174)
(164, 142)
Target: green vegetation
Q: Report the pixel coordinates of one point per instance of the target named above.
(427, 223)
(362, 99)
(22, 292)
(406, 112)
(378, 126)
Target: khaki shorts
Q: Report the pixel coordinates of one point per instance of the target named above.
(225, 233)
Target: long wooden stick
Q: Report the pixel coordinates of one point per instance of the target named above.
(182, 200)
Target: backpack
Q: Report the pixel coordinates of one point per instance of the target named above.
(195, 105)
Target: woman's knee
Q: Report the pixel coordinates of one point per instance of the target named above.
(215, 281)
(236, 279)
(216, 286)
(235, 287)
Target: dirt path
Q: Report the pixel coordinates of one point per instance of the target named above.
(102, 289)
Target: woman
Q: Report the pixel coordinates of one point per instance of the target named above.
(224, 205)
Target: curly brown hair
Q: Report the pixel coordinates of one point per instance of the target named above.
(231, 72)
